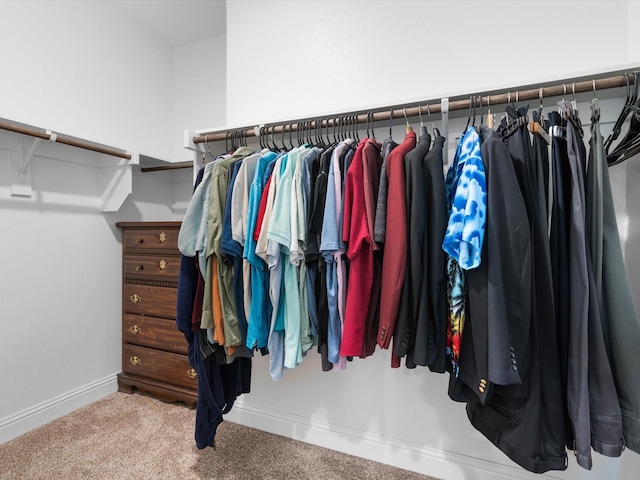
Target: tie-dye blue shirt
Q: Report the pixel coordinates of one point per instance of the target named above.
(467, 196)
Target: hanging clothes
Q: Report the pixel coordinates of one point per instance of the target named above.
(431, 339)
(592, 401)
(507, 357)
(621, 329)
(412, 308)
(395, 253)
(466, 202)
(219, 383)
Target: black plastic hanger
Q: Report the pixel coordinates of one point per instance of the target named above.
(615, 132)
(468, 116)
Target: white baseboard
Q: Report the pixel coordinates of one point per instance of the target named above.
(36, 416)
(390, 451)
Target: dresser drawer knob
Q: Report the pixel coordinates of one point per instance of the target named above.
(140, 240)
(192, 373)
(135, 298)
(139, 267)
(134, 360)
(135, 329)
(162, 264)
(162, 237)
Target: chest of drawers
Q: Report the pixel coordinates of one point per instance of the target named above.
(154, 351)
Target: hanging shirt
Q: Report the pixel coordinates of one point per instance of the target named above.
(283, 232)
(466, 197)
(260, 310)
(468, 204)
(330, 247)
(239, 217)
(355, 233)
(217, 202)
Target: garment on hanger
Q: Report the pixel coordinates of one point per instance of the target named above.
(431, 351)
(412, 308)
(395, 247)
(521, 299)
(356, 235)
(219, 383)
(466, 201)
(617, 309)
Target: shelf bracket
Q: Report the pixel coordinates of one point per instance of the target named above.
(20, 168)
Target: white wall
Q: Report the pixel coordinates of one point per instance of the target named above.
(85, 70)
(327, 57)
(357, 54)
(199, 100)
(82, 69)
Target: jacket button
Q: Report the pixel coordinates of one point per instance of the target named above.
(514, 368)
(481, 389)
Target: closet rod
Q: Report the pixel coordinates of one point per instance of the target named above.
(175, 166)
(59, 139)
(560, 89)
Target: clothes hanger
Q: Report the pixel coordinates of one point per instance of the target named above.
(436, 132)
(356, 132)
(621, 117)
(535, 126)
(206, 150)
(468, 118)
(633, 132)
(390, 122)
(423, 128)
(272, 137)
(594, 105)
(373, 127)
(409, 127)
(290, 142)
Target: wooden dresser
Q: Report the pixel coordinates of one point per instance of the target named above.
(154, 351)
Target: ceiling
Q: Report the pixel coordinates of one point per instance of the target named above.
(177, 22)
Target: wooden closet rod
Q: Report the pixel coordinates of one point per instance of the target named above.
(60, 139)
(560, 89)
(174, 166)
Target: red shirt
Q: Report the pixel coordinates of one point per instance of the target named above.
(261, 210)
(355, 232)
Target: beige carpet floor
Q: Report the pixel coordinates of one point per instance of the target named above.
(138, 437)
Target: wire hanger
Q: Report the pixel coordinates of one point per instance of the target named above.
(390, 121)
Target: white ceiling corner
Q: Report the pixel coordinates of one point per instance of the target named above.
(177, 22)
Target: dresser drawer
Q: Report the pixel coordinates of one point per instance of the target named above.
(157, 365)
(152, 266)
(150, 240)
(150, 300)
(160, 333)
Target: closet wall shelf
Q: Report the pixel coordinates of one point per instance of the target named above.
(114, 177)
(566, 87)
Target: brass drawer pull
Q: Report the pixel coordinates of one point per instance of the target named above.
(135, 298)
(192, 373)
(162, 237)
(140, 240)
(135, 329)
(139, 267)
(134, 360)
(162, 264)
